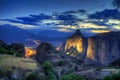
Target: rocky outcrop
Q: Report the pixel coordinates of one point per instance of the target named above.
(62, 62)
(116, 62)
(44, 52)
(101, 49)
(76, 44)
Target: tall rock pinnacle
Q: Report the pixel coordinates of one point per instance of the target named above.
(76, 43)
(101, 49)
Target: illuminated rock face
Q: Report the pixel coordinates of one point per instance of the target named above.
(103, 49)
(78, 42)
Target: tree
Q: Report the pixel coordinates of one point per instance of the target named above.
(72, 77)
(49, 71)
(116, 3)
(113, 77)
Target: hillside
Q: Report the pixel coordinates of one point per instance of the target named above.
(12, 34)
(7, 62)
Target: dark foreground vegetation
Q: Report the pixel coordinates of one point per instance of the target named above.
(48, 64)
(15, 49)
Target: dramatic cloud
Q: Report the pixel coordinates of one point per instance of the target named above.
(31, 19)
(106, 14)
(12, 20)
(90, 25)
(99, 22)
(113, 21)
(56, 18)
(80, 11)
(66, 17)
(117, 27)
(100, 31)
(51, 21)
(70, 12)
(116, 3)
(20, 25)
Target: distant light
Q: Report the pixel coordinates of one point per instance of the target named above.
(29, 52)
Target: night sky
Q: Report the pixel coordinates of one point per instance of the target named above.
(15, 8)
(90, 16)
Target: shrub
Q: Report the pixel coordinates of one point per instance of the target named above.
(34, 76)
(108, 78)
(72, 77)
(18, 55)
(69, 71)
(49, 71)
(60, 63)
(47, 65)
(113, 77)
(50, 76)
(11, 52)
(98, 69)
(3, 50)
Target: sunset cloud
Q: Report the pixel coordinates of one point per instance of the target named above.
(20, 25)
(80, 11)
(67, 22)
(106, 14)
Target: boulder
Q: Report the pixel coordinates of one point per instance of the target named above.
(44, 52)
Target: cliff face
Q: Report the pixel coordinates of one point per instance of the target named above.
(101, 49)
(76, 45)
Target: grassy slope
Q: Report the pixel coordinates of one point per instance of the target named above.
(8, 61)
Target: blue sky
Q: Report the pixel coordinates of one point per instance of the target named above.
(16, 8)
(90, 16)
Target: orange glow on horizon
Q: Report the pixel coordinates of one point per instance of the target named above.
(29, 52)
(100, 31)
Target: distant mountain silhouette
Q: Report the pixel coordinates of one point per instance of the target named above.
(54, 35)
(10, 34)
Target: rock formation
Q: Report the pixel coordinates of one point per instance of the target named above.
(62, 62)
(103, 48)
(100, 49)
(44, 52)
(78, 42)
